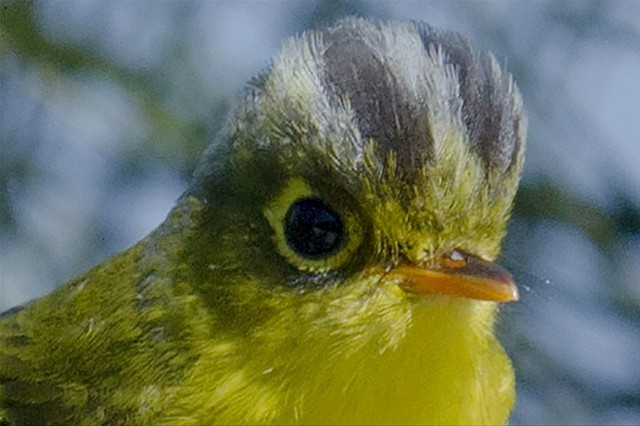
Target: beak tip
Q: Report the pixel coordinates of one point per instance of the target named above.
(515, 294)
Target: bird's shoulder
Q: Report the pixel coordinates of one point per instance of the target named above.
(59, 354)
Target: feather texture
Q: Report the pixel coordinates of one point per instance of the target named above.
(416, 141)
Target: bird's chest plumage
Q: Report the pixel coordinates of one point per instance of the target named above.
(444, 367)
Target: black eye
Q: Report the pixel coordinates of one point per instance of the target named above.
(313, 229)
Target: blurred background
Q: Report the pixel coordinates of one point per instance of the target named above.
(106, 106)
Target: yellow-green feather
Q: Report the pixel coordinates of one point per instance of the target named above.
(213, 318)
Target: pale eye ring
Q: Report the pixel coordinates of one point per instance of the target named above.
(313, 229)
(311, 233)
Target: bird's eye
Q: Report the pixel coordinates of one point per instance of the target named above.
(313, 229)
(311, 233)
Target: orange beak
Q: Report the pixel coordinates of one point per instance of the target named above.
(459, 274)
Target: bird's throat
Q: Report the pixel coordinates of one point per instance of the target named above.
(447, 369)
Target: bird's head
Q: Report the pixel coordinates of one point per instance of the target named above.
(360, 190)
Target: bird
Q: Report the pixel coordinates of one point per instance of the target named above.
(333, 260)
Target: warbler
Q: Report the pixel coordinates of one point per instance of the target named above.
(330, 263)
